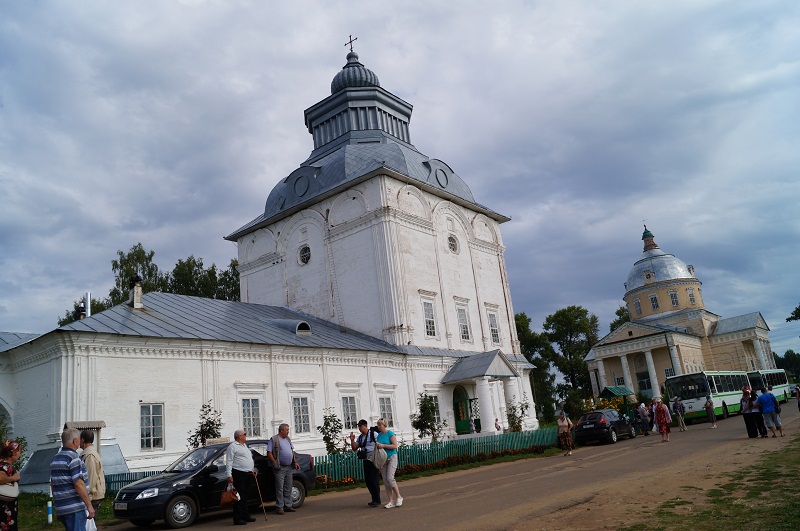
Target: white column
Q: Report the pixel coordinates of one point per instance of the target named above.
(673, 356)
(651, 370)
(511, 392)
(626, 372)
(485, 402)
(593, 379)
(762, 361)
(601, 373)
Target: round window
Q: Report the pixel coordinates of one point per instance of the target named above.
(452, 243)
(304, 254)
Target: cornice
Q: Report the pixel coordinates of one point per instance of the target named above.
(262, 261)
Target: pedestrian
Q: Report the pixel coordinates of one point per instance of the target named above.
(364, 447)
(94, 469)
(387, 440)
(644, 419)
(471, 425)
(239, 468)
(663, 419)
(709, 407)
(68, 482)
(497, 424)
(10, 452)
(680, 411)
(797, 395)
(755, 409)
(651, 411)
(564, 433)
(748, 416)
(769, 410)
(280, 452)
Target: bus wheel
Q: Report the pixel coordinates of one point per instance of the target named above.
(724, 410)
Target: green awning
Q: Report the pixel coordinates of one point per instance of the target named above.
(615, 390)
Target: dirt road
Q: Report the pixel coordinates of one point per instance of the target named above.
(599, 487)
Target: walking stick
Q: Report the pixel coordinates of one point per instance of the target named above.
(258, 488)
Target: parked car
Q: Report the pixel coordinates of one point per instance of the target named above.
(603, 425)
(193, 485)
(793, 390)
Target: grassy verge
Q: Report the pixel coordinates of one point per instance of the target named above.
(33, 513)
(759, 496)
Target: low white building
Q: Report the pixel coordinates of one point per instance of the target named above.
(371, 276)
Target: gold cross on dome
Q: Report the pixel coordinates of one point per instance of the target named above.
(350, 42)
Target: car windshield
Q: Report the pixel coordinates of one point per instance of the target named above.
(193, 460)
(688, 387)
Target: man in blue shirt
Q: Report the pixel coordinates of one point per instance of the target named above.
(769, 409)
(68, 480)
(281, 456)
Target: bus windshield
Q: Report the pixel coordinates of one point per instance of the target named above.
(688, 387)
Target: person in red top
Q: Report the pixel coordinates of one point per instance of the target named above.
(663, 419)
(9, 453)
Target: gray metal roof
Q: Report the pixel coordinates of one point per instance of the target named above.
(664, 266)
(491, 363)
(740, 322)
(179, 316)
(9, 340)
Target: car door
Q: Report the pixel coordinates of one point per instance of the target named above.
(616, 421)
(266, 478)
(214, 482)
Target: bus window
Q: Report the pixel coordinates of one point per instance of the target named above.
(711, 386)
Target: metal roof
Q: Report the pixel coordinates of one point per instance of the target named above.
(179, 316)
(492, 363)
(740, 322)
(9, 340)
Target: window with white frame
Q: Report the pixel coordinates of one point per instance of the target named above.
(690, 293)
(151, 423)
(430, 318)
(463, 323)
(385, 408)
(494, 328)
(349, 414)
(638, 306)
(673, 297)
(669, 371)
(437, 412)
(654, 301)
(301, 414)
(251, 416)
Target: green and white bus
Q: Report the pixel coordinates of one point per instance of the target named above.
(774, 377)
(724, 387)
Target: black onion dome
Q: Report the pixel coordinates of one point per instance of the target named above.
(354, 74)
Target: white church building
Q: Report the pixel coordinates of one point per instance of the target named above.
(371, 276)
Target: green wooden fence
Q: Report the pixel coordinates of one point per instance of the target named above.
(347, 465)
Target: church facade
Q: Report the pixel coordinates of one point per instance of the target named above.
(671, 333)
(372, 276)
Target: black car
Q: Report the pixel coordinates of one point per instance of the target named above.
(603, 425)
(194, 484)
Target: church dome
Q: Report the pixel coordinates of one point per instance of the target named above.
(354, 74)
(659, 265)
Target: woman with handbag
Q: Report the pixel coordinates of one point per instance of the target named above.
(387, 440)
(9, 453)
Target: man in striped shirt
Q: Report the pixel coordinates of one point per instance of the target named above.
(68, 480)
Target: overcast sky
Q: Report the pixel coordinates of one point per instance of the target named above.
(168, 123)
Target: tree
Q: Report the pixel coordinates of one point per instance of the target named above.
(331, 431)
(790, 361)
(538, 351)
(188, 277)
(515, 413)
(5, 434)
(209, 427)
(573, 330)
(795, 315)
(424, 419)
(622, 317)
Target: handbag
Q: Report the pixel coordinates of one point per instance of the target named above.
(9, 492)
(379, 458)
(229, 496)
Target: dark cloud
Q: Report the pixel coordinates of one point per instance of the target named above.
(169, 124)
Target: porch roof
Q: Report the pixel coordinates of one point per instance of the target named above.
(492, 363)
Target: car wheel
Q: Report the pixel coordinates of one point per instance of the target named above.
(142, 523)
(612, 436)
(724, 410)
(632, 433)
(298, 493)
(181, 512)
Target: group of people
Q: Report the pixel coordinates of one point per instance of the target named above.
(761, 412)
(369, 441)
(657, 417)
(77, 481)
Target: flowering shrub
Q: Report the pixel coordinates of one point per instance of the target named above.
(326, 482)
